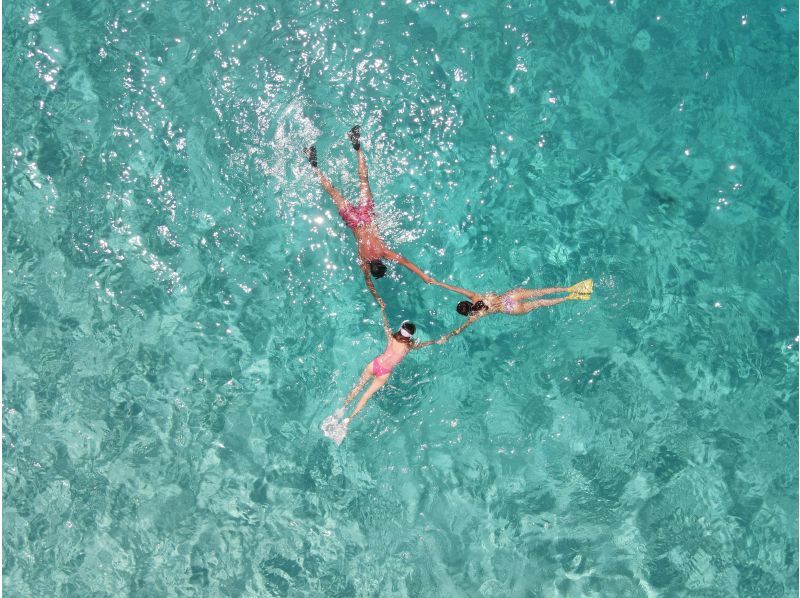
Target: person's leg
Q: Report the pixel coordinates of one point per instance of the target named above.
(524, 294)
(377, 382)
(523, 308)
(365, 375)
(338, 198)
(363, 180)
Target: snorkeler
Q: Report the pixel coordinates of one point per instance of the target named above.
(360, 218)
(515, 302)
(399, 344)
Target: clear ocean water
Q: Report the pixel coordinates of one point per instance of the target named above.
(182, 306)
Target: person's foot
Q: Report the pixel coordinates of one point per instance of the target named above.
(579, 296)
(583, 287)
(311, 154)
(355, 137)
(329, 426)
(338, 432)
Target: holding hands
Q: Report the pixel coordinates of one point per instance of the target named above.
(371, 250)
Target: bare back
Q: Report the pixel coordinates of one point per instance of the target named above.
(370, 245)
(493, 302)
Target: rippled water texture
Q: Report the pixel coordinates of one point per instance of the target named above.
(182, 308)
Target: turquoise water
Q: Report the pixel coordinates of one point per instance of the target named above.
(181, 305)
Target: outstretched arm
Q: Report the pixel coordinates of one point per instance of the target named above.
(442, 340)
(394, 256)
(468, 294)
(371, 286)
(386, 328)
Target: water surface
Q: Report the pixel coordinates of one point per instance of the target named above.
(182, 306)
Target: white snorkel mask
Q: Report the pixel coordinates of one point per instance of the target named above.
(403, 331)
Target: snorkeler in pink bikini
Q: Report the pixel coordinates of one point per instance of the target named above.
(515, 302)
(360, 218)
(399, 344)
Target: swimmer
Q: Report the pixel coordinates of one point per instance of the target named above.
(399, 344)
(361, 218)
(515, 302)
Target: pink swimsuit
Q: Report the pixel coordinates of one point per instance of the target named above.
(384, 363)
(360, 215)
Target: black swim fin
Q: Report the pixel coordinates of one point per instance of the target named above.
(355, 137)
(311, 154)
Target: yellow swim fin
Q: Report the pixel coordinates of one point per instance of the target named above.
(580, 296)
(583, 287)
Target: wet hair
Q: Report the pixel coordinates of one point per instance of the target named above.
(408, 327)
(377, 268)
(465, 308)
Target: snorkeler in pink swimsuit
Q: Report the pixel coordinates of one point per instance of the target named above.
(361, 217)
(514, 302)
(399, 344)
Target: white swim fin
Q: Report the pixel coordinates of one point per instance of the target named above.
(329, 425)
(338, 431)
